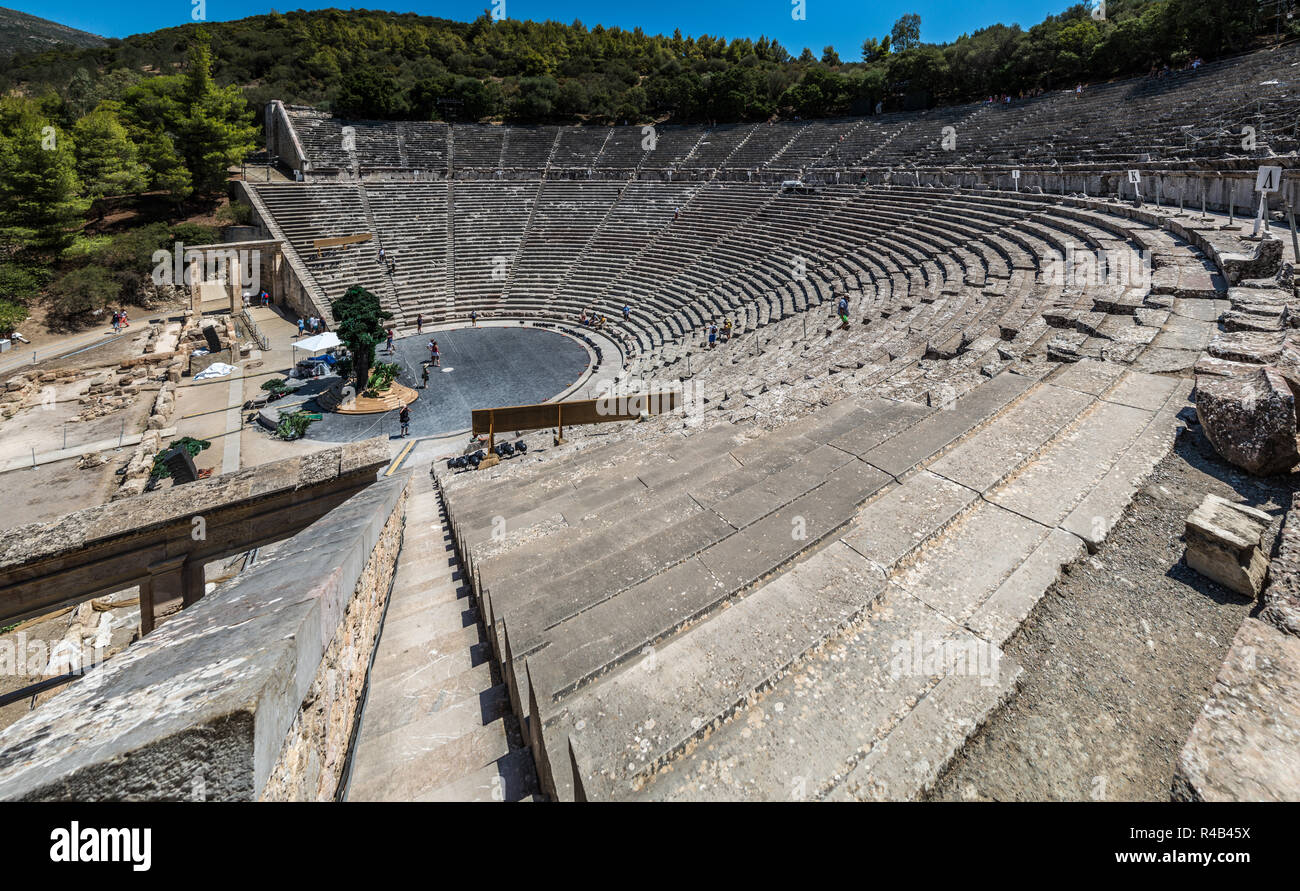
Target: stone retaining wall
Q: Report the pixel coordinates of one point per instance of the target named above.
(249, 694)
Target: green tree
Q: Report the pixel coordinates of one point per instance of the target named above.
(218, 130)
(19, 284)
(367, 93)
(829, 56)
(40, 205)
(167, 170)
(906, 33)
(211, 128)
(359, 322)
(107, 159)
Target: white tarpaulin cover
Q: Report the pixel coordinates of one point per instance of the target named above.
(319, 342)
(216, 369)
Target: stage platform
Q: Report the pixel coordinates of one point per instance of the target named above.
(481, 368)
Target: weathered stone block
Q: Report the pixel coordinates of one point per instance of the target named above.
(1225, 543)
(1282, 596)
(1245, 744)
(1251, 419)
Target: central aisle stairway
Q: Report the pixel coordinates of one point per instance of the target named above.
(436, 723)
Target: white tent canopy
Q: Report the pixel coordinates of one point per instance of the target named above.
(319, 342)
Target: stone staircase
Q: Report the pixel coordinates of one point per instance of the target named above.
(436, 724)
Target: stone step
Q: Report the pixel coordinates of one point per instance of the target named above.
(578, 641)
(929, 437)
(820, 722)
(653, 708)
(509, 778)
(401, 765)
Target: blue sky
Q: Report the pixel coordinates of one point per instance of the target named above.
(840, 23)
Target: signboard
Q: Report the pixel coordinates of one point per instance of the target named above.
(1269, 179)
(1135, 176)
(1015, 174)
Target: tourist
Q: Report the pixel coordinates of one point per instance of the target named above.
(382, 256)
(117, 321)
(726, 330)
(126, 322)
(424, 375)
(405, 420)
(434, 354)
(301, 326)
(419, 324)
(473, 317)
(627, 313)
(389, 343)
(713, 335)
(843, 309)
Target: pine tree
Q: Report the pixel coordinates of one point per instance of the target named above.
(108, 162)
(40, 203)
(218, 130)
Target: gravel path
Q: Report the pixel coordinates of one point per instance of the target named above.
(1119, 655)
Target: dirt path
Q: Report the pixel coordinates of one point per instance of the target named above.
(1119, 655)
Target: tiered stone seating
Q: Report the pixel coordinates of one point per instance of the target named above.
(412, 220)
(678, 612)
(1185, 114)
(477, 148)
(490, 221)
(528, 148)
(306, 212)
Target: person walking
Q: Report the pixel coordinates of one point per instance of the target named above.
(117, 322)
(627, 313)
(389, 343)
(473, 317)
(419, 324)
(434, 354)
(405, 420)
(713, 334)
(424, 375)
(301, 326)
(843, 309)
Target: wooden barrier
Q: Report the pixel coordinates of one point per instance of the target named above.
(339, 241)
(539, 416)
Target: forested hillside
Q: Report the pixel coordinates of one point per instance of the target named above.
(383, 64)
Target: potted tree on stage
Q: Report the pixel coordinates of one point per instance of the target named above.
(359, 322)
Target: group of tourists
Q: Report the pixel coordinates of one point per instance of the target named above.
(589, 319)
(714, 332)
(310, 325)
(120, 321)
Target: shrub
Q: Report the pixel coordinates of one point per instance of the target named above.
(293, 425)
(189, 443)
(76, 295)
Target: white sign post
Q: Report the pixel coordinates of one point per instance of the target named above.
(1015, 176)
(1135, 177)
(1268, 179)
